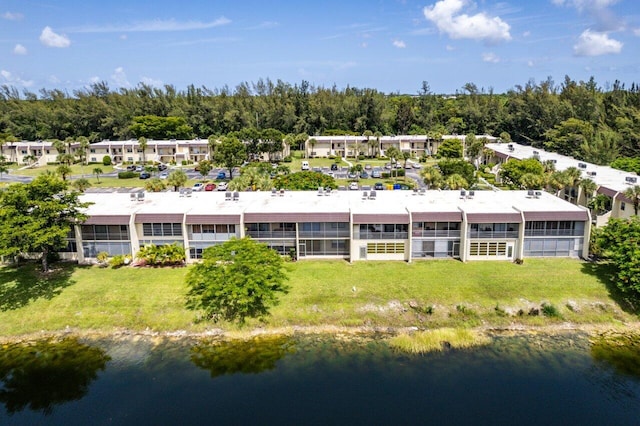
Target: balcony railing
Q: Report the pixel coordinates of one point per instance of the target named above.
(344, 233)
(435, 234)
(381, 235)
(553, 233)
(493, 234)
(271, 234)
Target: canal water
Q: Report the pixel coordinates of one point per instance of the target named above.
(319, 380)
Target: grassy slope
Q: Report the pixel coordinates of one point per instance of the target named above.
(321, 293)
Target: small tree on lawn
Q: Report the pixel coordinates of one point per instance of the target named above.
(177, 179)
(236, 280)
(620, 241)
(81, 184)
(98, 171)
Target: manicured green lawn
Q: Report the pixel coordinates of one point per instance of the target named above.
(322, 293)
(76, 170)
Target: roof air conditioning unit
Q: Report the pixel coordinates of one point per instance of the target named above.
(631, 179)
(463, 193)
(582, 166)
(530, 193)
(591, 173)
(537, 194)
(536, 153)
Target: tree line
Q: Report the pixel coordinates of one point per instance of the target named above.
(577, 118)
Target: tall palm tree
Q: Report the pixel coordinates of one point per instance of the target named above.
(633, 194)
(98, 171)
(367, 134)
(313, 143)
(588, 188)
(378, 136)
(82, 149)
(142, 142)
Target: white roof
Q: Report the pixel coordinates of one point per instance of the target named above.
(604, 175)
(386, 202)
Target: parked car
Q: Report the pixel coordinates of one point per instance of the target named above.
(352, 175)
(222, 186)
(131, 168)
(334, 167)
(139, 168)
(353, 186)
(378, 186)
(210, 187)
(162, 167)
(198, 186)
(221, 176)
(367, 166)
(145, 175)
(417, 166)
(164, 175)
(375, 173)
(408, 166)
(364, 175)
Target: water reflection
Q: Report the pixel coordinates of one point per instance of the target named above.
(40, 375)
(620, 351)
(248, 356)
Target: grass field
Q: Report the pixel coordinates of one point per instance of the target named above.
(384, 294)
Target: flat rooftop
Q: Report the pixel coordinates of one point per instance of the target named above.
(605, 176)
(385, 202)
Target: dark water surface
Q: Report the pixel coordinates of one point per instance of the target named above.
(521, 380)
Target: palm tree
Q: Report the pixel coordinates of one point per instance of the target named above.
(432, 177)
(142, 142)
(82, 149)
(378, 136)
(3, 166)
(588, 188)
(212, 141)
(367, 134)
(177, 178)
(64, 171)
(81, 184)
(98, 171)
(456, 181)
(633, 194)
(532, 181)
(313, 143)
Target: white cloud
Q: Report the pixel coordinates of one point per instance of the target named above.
(447, 16)
(450, 48)
(12, 16)
(51, 39)
(11, 79)
(636, 32)
(119, 78)
(266, 25)
(530, 64)
(152, 81)
(53, 79)
(399, 44)
(585, 4)
(592, 43)
(157, 25)
(364, 45)
(19, 50)
(490, 57)
(95, 79)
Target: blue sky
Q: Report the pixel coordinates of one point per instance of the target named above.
(389, 45)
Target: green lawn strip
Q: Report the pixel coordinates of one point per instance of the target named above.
(321, 293)
(76, 170)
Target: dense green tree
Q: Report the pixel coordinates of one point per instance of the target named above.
(159, 128)
(450, 148)
(304, 181)
(460, 167)
(456, 181)
(512, 171)
(155, 185)
(204, 167)
(81, 184)
(620, 241)
(236, 280)
(230, 153)
(253, 178)
(628, 164)
(37, 217)
(177, 178)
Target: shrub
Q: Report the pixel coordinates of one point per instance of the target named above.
(106, 160)
(120, 260)
(128, 175)
(102, 258)
(287, 159)
(361, 157)
(549, 310)
(438, 340)
(163, 255)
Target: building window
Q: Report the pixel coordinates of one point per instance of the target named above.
(385, 248)
(92, 151)
(162, 229)
(488, 249)
(622, 205)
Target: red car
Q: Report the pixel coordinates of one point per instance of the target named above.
(210, 187)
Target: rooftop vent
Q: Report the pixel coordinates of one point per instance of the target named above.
(463, 193)
(472, 194)
(511, 148)
(537, 194)
(582, 165)
(536, 153)
(591, 173)
(530, 193)
(631, 180)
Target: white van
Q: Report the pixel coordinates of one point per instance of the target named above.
(305, 165)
